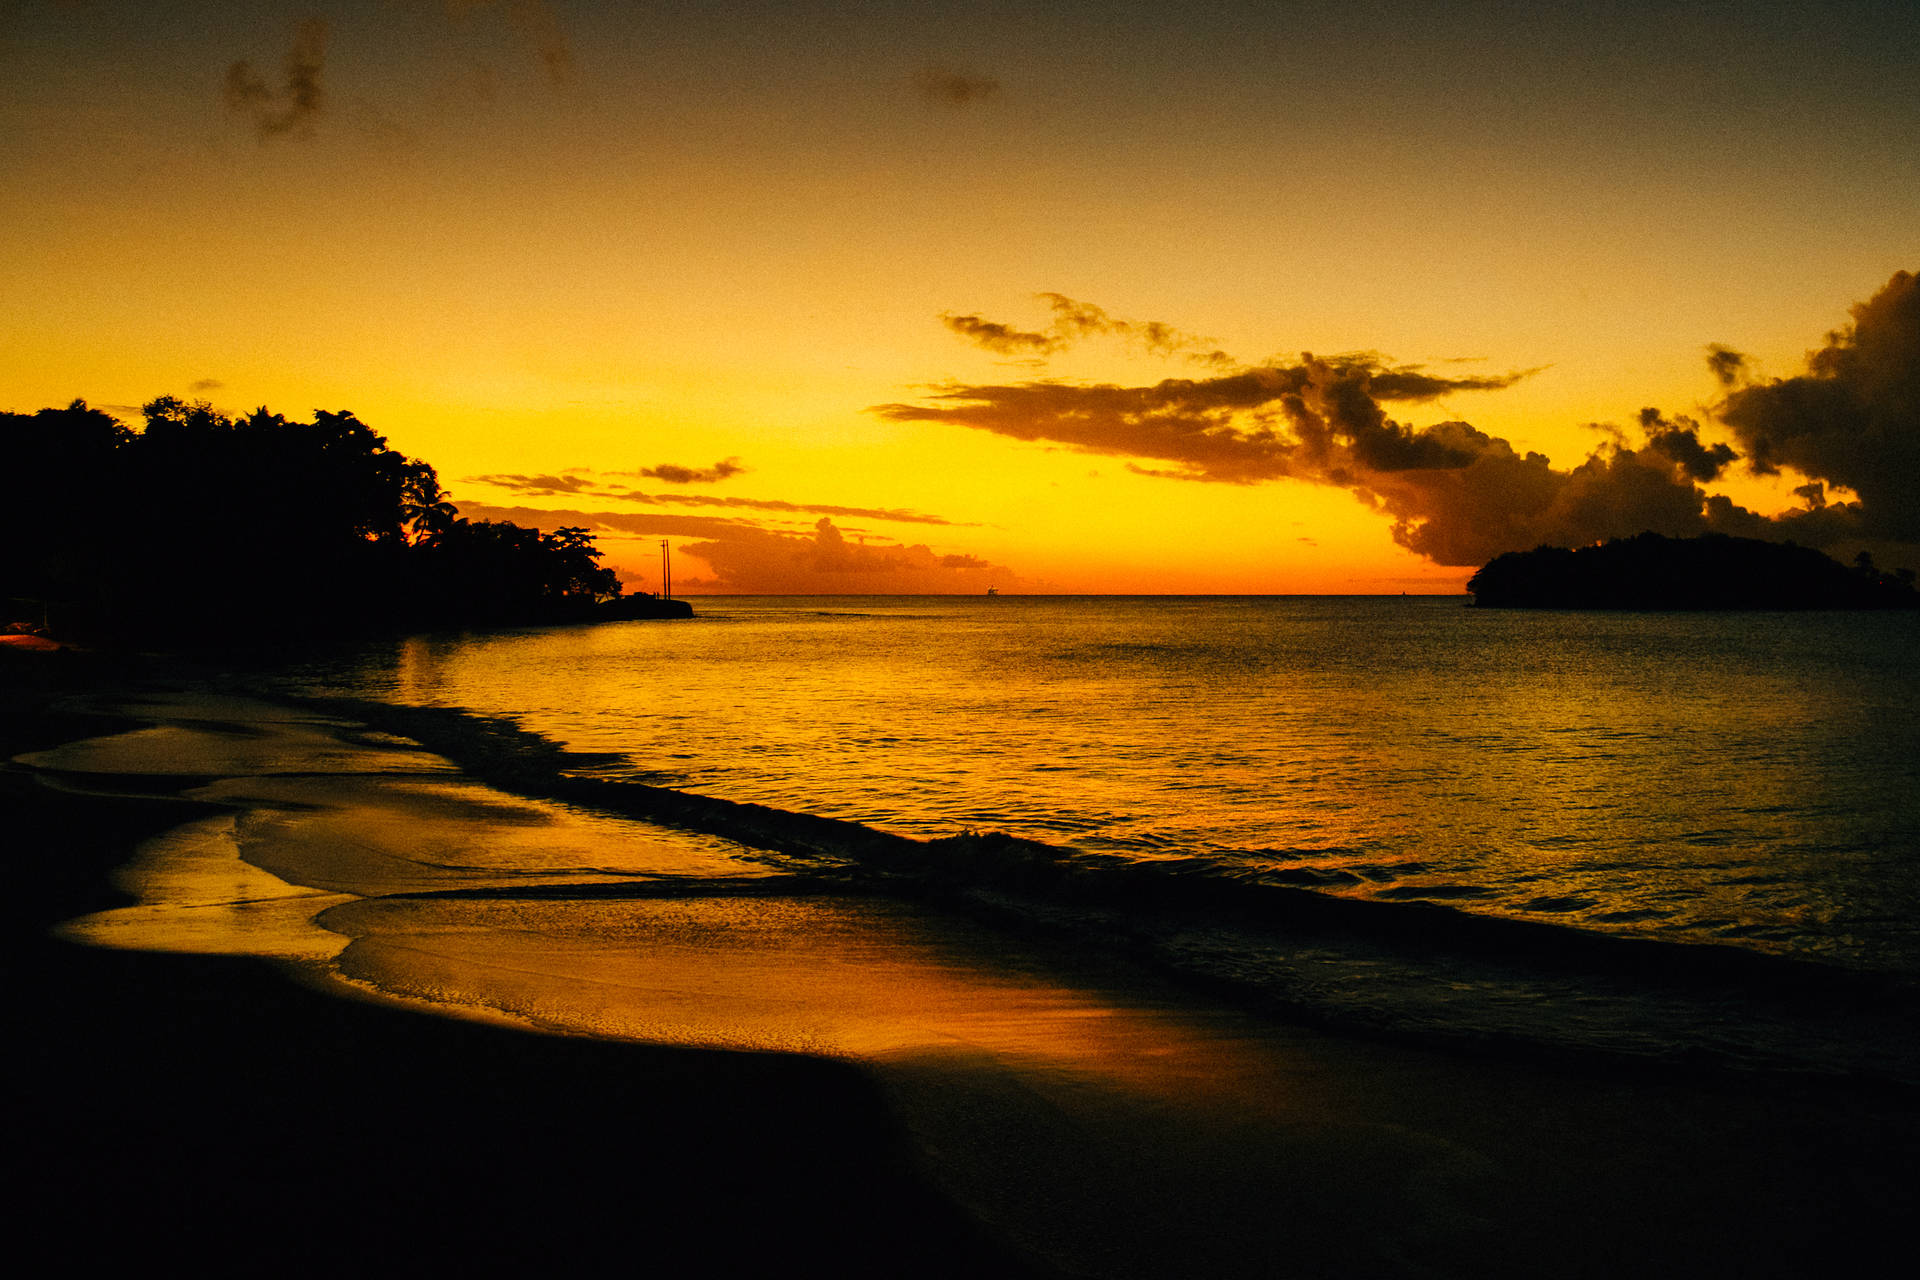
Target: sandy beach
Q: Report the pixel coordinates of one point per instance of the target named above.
(218, 1113)
(293, 999)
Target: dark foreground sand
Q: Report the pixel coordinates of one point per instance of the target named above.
(211, 1112)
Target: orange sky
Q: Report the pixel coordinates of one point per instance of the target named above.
(551, 246)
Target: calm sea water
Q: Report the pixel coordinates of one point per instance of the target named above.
(1747, 778)
(1706, 781)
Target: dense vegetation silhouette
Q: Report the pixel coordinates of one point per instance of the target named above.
(201, 526)
(1651, 571)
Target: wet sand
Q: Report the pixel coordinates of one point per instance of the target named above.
(220, 1114)
(658, 1049)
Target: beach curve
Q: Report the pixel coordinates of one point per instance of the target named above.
(1101, 1121)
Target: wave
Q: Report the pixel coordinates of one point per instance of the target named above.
(1296, 941)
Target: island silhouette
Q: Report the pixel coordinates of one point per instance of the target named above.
(1714, 571)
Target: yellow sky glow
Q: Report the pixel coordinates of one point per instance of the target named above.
(687, 248)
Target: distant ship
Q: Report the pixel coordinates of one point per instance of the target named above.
(993, 591)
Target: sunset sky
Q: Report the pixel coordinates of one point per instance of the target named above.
(913, 297)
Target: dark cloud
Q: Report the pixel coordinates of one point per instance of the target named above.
(1074, 321)
(1729, 366)
(674, 474)
(576, 483)
(1459, 496)
(540, 486)
(1853, 419)
(1678, 439)
(1409, 383)
(1002, 339)
(1454, 493)
(1503, 500)
(1240, 428)
(205, 384)
(946, 87)
(291, 108)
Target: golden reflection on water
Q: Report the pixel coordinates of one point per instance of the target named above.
(1700, 778)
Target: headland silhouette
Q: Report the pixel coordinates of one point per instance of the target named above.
(204, 527)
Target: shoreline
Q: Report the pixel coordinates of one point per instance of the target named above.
(217, 1112)
(1046, 894)
(1187, 1140)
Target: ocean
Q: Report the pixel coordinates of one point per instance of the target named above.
(1688, 838)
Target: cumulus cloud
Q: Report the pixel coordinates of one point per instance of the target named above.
(1813, 493)
(1459, 496)
(675, 474)
(1678, 439)
(1075, 321)
(1853, 419)
(291, 108)
(943, 86)
(1503, 500)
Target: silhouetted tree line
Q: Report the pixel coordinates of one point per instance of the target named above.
(1651, 571)
(200, 525)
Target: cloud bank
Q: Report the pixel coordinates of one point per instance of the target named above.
(1459, 496)
(1853, 418)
